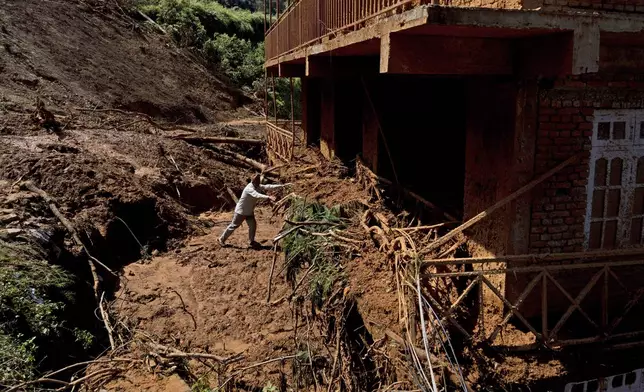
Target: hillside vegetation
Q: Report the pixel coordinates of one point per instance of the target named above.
(228, 39)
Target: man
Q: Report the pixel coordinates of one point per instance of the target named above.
(245, 209)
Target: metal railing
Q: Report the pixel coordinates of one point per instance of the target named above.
(306, 21)
(591, 301)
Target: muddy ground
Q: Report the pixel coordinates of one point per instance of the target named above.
(150, 207)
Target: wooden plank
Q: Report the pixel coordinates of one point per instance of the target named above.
(502, 203)
(542, 257)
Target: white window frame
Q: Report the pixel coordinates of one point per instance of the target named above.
(629, 149)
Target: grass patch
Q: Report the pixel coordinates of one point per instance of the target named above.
(319, 253)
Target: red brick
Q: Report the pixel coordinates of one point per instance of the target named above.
(569, 111)
(566, 126)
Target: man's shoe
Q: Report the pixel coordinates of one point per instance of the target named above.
(221, 242)
(255, 245)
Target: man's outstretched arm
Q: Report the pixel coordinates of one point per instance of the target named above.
(275, 186)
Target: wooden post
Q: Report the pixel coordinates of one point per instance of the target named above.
(274, 99)
(264, 18)
(265, 95)
(292, 121)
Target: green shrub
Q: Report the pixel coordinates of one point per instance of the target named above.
(33, 297)
(205, 18)
(238, 58)
(17, 361)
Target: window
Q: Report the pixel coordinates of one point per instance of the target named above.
(615, 213)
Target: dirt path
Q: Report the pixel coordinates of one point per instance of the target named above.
(209, 298)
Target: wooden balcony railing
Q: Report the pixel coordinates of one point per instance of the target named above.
(306, 21)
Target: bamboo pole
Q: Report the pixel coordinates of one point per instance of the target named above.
(502, 203)
(292, 122)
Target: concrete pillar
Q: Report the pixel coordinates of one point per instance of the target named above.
(370, 136)
(489, 153)
(311, 110)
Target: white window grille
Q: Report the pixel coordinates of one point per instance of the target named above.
(615, 212)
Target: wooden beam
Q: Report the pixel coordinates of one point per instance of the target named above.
(444, 55)
(341, 66)
(291, 70)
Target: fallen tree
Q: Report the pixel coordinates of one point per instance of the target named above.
(198, 140)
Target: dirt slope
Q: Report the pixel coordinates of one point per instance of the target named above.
(113, 173)
(89, 54)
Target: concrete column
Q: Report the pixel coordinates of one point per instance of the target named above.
(311, 110)
(370, 136)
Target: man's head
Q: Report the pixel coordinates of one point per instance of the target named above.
(257, 180)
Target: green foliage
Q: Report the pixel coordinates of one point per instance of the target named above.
(17, 361)
(33, 294)
(192, 21)
(202, 385)
(319, 252)
(238, 58)
(230, 39)
(269, 387)
(282, 96)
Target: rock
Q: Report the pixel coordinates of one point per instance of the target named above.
(8, 218)
(8, 234)
(18, 196)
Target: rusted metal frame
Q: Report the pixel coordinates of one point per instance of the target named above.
(274, 144)
(448, 317)
(514, 307)
(300, 13)
(594, 339)
(334, 31)
(460, 298)
(572, 301)
(576, 303)
(604, 315)
(631, 303)
(292, 122)
(481, 319)
(598, 338)
(541, 257)
(556, 267)
(508, 304)
(279, 129)
(286, 11)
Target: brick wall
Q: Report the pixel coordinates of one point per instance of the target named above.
(565, 122)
